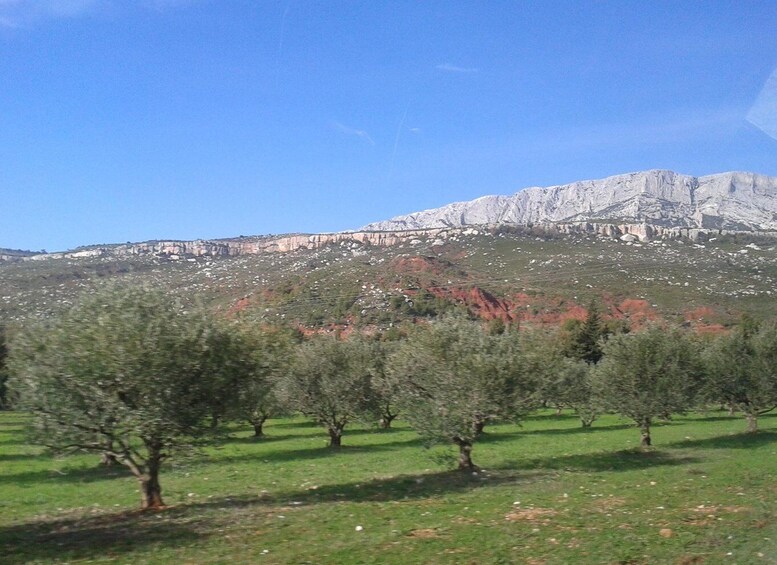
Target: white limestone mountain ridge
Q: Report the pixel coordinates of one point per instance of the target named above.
(644, 205)
(728, 201)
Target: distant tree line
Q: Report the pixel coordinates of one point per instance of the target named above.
(135, 376)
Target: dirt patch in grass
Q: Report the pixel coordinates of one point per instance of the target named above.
(706, 515)
(425, 533)
(691, 560)
(608, 504)
(533, 515)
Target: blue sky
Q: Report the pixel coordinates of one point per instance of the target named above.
(129, 120)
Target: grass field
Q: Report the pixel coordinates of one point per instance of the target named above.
(549, 492)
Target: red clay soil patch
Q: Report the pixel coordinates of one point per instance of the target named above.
(420, 264)
(710, 329)
(480, 302)
(545, 310)
(701, 320)
(701, 314)
(638, 311)
(239, 306)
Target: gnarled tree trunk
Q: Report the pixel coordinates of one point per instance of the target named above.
(465, 454)
(752, 422)
(150, 489)
(644, 428)
(386, 418)
(335, 436)
(258, 424)
(587, 416)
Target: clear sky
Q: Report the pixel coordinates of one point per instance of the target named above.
(129, 120)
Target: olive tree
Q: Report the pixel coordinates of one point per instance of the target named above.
(453, 377)
(384, 388)
(561, 380)
(330, 381)
(741, 371)
(257, 391)
(125, 372)
(649, 374)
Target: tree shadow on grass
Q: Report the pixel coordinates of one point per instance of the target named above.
(426, 485)
(732, 418)
(316, 431)
(552, 417)
(22, 457)
(319, 452)
(725, 418)
(743, 440)
(121, 534)
(104, 535)
(581, 430)
(291, 425)
(67, 475)
(261, 440)
(625, 460)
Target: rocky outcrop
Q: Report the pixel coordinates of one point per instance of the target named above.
(243, 245)
(731, 201)
(354, 240)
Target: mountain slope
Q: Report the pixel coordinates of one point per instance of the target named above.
(733, 201)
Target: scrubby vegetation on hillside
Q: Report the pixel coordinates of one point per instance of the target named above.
(536, 278)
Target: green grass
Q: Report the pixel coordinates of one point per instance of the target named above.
(549, 492)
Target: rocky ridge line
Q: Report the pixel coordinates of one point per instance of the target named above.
(732, 201)
(289, 243)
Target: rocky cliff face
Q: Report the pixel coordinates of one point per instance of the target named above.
(436, 236)
(730, 201)
(644, 206)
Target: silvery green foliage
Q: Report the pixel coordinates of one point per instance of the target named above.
(257, 390)
(126, 371)
(562, 381)
(742, 370)
(453, 378)
(330, 381)
(648, 374)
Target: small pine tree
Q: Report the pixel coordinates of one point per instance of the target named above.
(589, 347)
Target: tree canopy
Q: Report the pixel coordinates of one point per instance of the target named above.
(125, 372)
(741, 370)
(330, 381)
(648, 374)
(453, 377)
